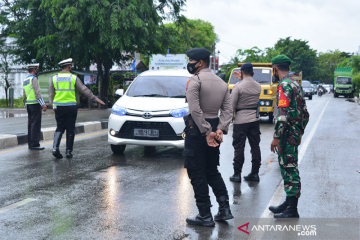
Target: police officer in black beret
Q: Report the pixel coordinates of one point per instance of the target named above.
(207, 94)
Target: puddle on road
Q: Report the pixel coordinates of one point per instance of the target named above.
(6, 114)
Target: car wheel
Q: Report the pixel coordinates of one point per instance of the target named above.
(118, 149)
(310, 98)
(335, 95)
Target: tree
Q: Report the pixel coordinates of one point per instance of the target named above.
(102, 32)
(327, 63)
(191, 34)
(355, 65)
(303, 57)
(5, 64)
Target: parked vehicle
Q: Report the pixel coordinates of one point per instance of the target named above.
(151, 111)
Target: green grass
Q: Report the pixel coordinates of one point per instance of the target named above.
(18, 103)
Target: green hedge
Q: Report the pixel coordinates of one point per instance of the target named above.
(18, 103)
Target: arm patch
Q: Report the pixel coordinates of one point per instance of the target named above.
(283, 101)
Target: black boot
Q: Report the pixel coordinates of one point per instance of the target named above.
(57, 140)
(237, 175)
(204, 218)
(224, 210)
(280, 208)
(254, 175)
(291, 210)
(69, 145)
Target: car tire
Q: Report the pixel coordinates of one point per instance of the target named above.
(335, 95)
(310, 98)
(118, 149)
(271, 117)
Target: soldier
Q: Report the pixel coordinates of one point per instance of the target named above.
(245, 100)
(62, 96)
(290, 122)
(207, 94)
(34, 104)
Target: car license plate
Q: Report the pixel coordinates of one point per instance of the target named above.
(264, 109)
(151, 133)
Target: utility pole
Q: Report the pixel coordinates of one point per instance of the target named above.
(214, 56)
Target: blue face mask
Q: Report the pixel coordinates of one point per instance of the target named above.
(191, 67)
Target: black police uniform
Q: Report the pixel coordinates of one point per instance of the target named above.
(208, 92)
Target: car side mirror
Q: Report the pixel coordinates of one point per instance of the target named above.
(119, 92)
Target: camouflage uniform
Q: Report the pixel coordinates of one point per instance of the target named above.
(290, 122)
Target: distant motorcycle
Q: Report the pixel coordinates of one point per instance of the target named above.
(320, 92)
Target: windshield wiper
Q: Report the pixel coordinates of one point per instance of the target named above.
(178, 96)
(264, 82)
(151, 95)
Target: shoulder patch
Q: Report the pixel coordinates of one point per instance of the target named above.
(187, 84)
(283, 101)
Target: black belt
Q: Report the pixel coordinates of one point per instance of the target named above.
(255, 108)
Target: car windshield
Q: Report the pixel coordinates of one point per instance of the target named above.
(343, 80)
(262, 76)
(158, 86)
(306, 84)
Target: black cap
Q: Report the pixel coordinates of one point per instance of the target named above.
(198, 54)
(246, 66)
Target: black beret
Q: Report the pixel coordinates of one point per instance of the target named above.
(246, 66)
(198, 54)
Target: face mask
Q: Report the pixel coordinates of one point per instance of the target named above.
(275, 78)
(241, 76)
(191, 67)
(37, 72)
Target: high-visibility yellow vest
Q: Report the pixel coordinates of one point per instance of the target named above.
(64, 84)
(29, 90)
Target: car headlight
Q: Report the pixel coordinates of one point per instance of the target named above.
(262, 103)
(267, 103)
(179, 113)
(120, 111)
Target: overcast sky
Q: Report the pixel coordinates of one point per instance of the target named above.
(326, 24)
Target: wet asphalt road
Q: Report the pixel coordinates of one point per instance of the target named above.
(147, 195)
(15, 121)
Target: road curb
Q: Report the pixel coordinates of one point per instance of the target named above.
(12, 140)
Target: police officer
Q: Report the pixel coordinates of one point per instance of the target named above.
(206, 94)
(245, 101)
(34, 104)
(290, 122)
(62, 96)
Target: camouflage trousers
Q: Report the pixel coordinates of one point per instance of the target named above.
(288, 161)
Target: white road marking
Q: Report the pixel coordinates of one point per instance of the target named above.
(279, 192)
(18, 204)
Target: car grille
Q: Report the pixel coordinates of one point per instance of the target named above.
(166, 132)
(343, 89)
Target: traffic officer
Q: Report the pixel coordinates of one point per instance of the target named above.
(34, 104)
(290, 122)
(62, 96)
(245, 100)
(207, 94)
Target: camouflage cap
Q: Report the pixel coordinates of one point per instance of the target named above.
(280, 59)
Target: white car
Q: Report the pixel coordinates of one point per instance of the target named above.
(151, 111)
